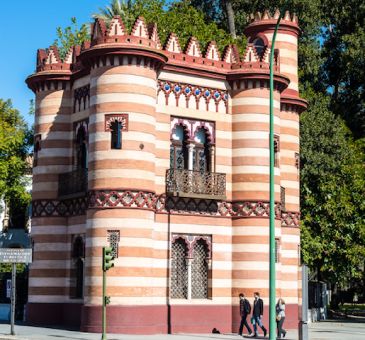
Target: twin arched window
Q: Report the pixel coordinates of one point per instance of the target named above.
(190, 154)
(189, 269)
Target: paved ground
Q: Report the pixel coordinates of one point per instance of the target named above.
(325, 330)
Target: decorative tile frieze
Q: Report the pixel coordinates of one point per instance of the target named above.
(290, 219)
(161, 204)
(121, 199)
(193, 92)
(59, 208)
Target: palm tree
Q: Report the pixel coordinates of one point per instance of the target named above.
(116, 7)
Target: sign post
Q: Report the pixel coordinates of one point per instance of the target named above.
(13, 297)
(14, 256)
(108, 263)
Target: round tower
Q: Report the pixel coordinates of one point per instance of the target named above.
(288, 105)
(52, 156)
(121, 168)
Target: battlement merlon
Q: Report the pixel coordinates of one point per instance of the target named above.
(108, 44)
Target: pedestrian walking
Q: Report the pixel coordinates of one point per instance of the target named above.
(257, 313)
(280, 317)
(245, 309)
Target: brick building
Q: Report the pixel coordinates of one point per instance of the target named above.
(163, 152)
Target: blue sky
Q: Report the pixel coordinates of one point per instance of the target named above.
(26, 26)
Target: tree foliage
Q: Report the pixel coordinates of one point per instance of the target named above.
(331, 71)
(332, 195)
(15, 139)
(344, 68)
(178, 17)
(70, 36)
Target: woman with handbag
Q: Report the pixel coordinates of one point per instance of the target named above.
(280, 317)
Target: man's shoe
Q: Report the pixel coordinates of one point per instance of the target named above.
(265, 332)
(284, 334)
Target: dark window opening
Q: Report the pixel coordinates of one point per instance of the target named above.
(77, 269)
(37, 147)
(81, 148)
(276, 150)
(259, 46)
(116, 131)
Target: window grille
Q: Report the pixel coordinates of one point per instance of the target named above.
(277, 246)
(179, 272)
(282, 198)
(199, 271)
(113, 238)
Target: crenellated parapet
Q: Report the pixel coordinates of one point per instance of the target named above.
(142, 46)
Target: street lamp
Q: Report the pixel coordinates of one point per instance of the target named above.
(272, 298)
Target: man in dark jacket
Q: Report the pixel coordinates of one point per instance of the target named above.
(257, 312)
(245, 309)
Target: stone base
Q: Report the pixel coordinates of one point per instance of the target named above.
(160, 319)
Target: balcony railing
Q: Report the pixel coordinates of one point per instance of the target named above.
(72, 183)
(187, 183)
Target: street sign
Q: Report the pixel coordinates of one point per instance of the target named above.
(15, 255)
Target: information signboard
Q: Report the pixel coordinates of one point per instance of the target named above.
(15, 255)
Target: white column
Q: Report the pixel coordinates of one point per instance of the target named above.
(190, 156)
(189, 263)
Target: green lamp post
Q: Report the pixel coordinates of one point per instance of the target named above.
(272, 297)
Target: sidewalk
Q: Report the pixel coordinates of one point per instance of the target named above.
(42, 333)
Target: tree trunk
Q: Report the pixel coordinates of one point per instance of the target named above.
(230, 17)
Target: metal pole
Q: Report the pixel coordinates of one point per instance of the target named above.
(103, 337)
(13, 297)
(272, 297)
(303, 325)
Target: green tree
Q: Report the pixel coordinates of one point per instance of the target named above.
(178, 17)
(15, 139)
(344, 68)
(332, 195)
(331, 71)
(70, 36)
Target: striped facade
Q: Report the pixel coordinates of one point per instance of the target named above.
(116, 121)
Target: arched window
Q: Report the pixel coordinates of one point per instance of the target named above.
(77, 267)
(37, 147)
(202, 151)
(199, 271)
(178, 149)
(81, 148)
(276, 150)
(259, 46)
(179, 270)
(116, 131)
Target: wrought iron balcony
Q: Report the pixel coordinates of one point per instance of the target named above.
(187, 183)
(72, 183)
